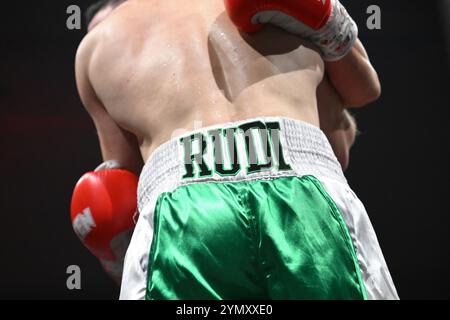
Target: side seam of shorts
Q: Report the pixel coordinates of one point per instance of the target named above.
(153, 246)
(375, 272)
(345, 232)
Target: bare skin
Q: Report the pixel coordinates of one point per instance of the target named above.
(153, 67)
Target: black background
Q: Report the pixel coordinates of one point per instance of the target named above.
(399, 167)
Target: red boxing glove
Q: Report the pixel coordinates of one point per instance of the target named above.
(103, 205)
(324, 22)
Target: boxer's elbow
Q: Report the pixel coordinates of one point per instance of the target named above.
(347, 140)
(363, 97)
(341, 147)
(344, 159)
(373, 92)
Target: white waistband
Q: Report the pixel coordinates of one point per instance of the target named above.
(305, 149)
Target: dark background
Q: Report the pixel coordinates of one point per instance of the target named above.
(399, 166)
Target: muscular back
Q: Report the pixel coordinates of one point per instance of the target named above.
(158, 66)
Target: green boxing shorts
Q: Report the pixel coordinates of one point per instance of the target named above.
(256, 209)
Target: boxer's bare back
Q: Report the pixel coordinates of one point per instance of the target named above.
(154, 67)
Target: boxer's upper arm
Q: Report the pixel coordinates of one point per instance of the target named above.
(115, 142)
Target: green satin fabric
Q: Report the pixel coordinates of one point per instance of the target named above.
(265, 239)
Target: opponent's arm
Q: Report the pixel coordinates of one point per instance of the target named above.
(354, 77)
(329, 27)
(342, 137)
(336, 122)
